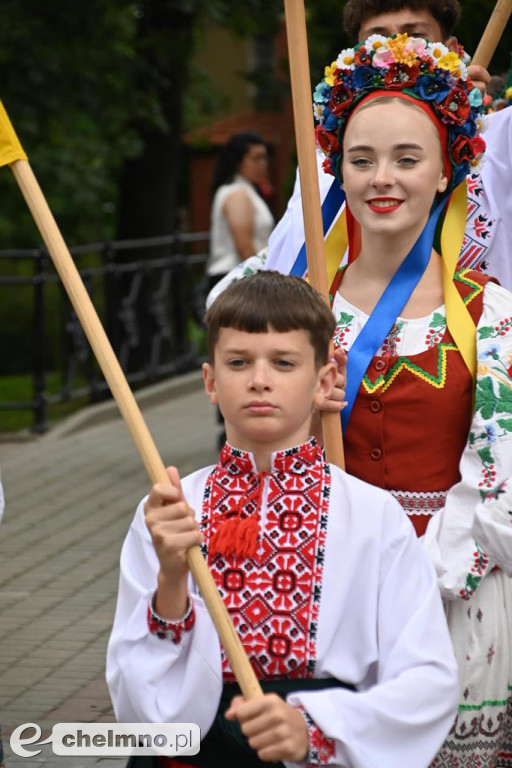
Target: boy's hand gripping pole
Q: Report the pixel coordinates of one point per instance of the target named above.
(305, 138)
(12, 154)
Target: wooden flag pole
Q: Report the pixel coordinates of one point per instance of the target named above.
(492, 33)
(305, 138)
(130, 411)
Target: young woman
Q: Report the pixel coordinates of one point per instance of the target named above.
(429, 374)
(241, 220)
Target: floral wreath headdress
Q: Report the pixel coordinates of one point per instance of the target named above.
(437, 80)
(415, 68)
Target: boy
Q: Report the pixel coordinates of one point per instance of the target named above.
(339, 612)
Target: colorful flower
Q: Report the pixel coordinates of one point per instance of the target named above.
(455, 107)
(330, 73)
(375, 42)
(345, 59)
(401, 75)
(432, 88)
(436, 51)
(450, 61)
(404, 48)
(318, 111)
(364, 77)
(383, 58)
(361, 57)
(341, 97)
(326, 140)
(322, 93)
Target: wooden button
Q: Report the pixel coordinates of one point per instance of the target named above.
(380, 365)
(376, 454)
(375, 406)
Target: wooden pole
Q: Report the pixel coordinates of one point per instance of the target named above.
(305, 138)
(130, 411)
(492, 33)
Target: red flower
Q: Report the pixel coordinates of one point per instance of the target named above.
(400, 76)
(361, 56)
(455, 107)
(464, 148)
(341, 97)
(509, 371)
(326, 166)
(326, 140)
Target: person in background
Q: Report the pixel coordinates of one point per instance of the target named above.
(241, 220)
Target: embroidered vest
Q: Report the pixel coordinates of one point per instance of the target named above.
(273, 595)
(411, 419)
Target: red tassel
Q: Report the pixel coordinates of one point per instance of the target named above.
(236, 536)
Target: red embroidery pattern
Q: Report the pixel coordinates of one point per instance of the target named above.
(479, 228)
(273, 597)
(322, 749)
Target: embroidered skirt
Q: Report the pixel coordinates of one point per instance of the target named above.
(481, 631)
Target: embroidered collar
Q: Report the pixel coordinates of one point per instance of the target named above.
(296, 460)
(237, 522)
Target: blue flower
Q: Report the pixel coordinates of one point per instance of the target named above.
(432, 88)
(322, 93)
(475, 98)
(329, 121)
(493, 352)
(362, 77)
(490, 431)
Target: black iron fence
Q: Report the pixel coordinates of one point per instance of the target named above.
(148, 294)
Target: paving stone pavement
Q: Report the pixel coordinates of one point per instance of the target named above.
(70, 496)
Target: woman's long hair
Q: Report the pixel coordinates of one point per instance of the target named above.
(231, 155)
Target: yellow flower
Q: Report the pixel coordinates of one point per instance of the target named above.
(329, 73)
(401, 54)
(449, 61)
(508, 92)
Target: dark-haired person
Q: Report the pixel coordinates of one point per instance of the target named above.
(241, 220)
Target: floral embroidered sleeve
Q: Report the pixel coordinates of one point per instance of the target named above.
(321, 748)
(170, 630)
(492, 527)
(460, 560)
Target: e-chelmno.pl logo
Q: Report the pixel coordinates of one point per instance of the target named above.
(109, 739)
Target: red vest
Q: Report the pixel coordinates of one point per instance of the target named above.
(411, 419)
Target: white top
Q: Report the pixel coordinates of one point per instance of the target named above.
(380, 626)
(223, 253)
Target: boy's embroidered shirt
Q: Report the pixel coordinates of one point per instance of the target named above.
(273, 596)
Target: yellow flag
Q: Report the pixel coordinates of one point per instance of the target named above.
(10, 147)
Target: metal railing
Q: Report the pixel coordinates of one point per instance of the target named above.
(148, 296)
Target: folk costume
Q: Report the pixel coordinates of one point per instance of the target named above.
(430, 398)
(334, 600)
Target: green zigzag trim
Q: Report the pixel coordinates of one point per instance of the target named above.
(405, 362)
(477, 288)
